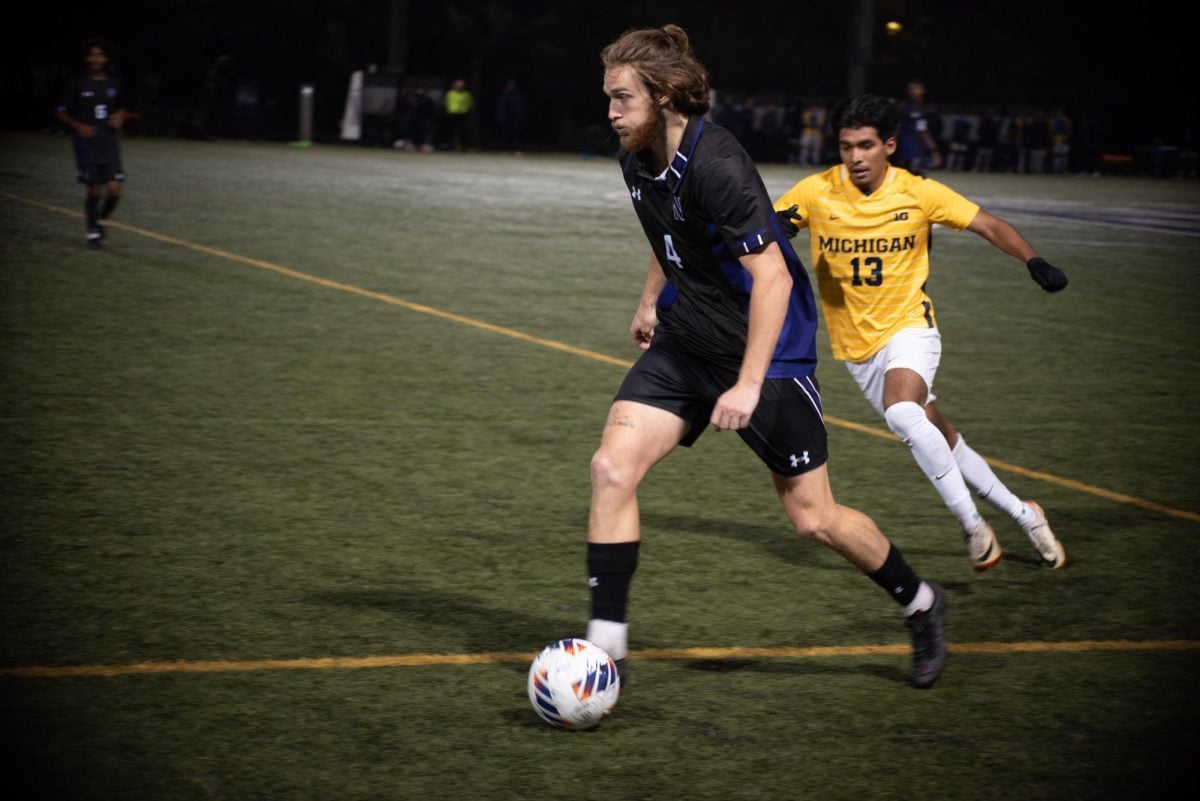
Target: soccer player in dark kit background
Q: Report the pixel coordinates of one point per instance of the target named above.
(93, 107)
(735, 350)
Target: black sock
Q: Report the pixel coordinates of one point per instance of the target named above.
(610, 569)
(110, 203)
(91, 208)
(896, 578)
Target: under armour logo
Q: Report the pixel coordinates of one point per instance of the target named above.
(593, 581)
(677, 209)
(796, 460)
(636, 193)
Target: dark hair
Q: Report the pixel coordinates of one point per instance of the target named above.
(867, 111)
(664, 60)
(97, 41)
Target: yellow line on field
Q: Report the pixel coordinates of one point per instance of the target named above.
(353, 290)
(1049, 478)
(522, 657)
(891, 650)
(587, 354)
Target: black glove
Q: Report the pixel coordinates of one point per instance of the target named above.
(1048, 277)
(788, 220)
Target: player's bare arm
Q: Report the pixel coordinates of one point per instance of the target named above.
(768, 308)
(645, 319)
(1007, 239)
(1001, 234)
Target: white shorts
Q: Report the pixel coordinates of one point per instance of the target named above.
(918, 349)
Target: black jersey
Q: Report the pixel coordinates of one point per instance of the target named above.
(93, 101)
(705, 211)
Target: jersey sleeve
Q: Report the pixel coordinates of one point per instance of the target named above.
(944, 206)
(735, 199)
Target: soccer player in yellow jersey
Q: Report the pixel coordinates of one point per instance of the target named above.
(869, 224)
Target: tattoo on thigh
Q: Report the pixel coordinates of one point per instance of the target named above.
(618, 418)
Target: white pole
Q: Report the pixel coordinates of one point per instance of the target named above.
(306, 112)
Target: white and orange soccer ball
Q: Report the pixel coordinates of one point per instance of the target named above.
(573, 684)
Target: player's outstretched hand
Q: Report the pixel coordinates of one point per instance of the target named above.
(1048, 277)
(788, 219)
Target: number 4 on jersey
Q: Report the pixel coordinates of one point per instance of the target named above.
(672, 256)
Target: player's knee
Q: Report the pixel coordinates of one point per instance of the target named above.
(807, 526)
(610, 473)
(904, 418)
(811, 524)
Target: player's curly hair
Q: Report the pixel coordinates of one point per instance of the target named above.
(664, 60)
(867, 111)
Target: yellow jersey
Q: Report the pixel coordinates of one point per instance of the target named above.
(871, 252)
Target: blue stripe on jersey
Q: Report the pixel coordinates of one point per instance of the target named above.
(796, 352)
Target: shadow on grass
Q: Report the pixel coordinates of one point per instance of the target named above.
(896, 674)
(479, 627)
(778, 541)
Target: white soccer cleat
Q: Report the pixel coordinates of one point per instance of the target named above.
(1048, 547)
(982, 544)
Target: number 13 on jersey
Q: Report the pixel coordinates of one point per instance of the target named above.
(873, 265)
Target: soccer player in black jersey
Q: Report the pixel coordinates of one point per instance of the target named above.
(93, 106)
(734, 349)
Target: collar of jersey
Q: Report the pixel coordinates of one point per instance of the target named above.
(673, 174)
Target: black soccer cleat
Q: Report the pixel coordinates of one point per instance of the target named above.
(928, 631)
(622, 670)
(95, 238)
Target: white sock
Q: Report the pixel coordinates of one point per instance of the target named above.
(908, 421)
(610, 635)
(922, 601)
(983, 481)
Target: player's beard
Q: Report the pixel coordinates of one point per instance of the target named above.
(644, 136)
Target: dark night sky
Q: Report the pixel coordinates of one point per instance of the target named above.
(1096, 59)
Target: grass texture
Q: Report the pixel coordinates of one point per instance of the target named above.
(338, 404)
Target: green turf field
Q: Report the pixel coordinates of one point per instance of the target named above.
(295, 481)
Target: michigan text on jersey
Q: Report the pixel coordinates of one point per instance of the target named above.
(883, 244)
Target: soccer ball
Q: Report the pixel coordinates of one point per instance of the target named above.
(573, 684)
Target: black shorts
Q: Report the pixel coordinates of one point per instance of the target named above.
(99, 173)
(98, 160)
(787, 430)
